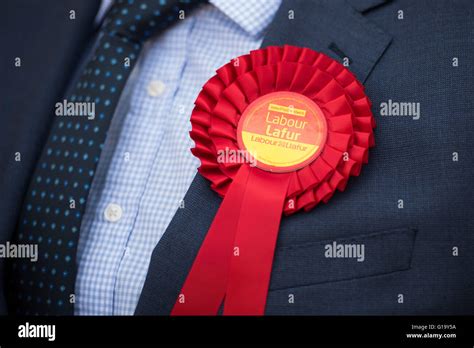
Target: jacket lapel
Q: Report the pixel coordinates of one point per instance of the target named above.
(48, 43)
(333, 27)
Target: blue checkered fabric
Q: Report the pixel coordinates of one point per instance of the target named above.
(146, 166)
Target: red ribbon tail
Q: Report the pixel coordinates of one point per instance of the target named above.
(205, 286)
(235, 259)
(255, 240)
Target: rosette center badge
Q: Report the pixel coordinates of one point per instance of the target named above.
(283, 131)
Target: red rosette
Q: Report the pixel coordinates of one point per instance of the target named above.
(228, 111)
(341, 97)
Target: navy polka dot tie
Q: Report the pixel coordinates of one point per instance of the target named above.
(57, 195)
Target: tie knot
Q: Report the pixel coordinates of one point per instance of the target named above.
(139, 20)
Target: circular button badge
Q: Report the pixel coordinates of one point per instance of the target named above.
(283, 131)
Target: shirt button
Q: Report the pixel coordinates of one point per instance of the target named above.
(156, 88)
(113, 212)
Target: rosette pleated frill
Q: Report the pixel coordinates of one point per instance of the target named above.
(233, 265)
(329, 84)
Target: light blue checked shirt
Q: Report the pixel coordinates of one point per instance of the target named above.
(146, 166)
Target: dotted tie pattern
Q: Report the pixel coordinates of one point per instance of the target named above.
(57, 194)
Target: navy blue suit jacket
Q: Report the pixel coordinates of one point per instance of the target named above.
(419, 259)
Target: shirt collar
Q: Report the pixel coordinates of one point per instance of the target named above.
(253, 16)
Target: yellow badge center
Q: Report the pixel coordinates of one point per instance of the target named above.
(283, 131)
